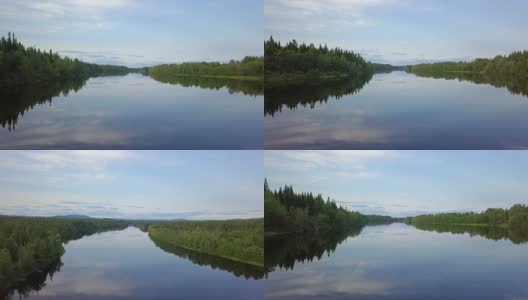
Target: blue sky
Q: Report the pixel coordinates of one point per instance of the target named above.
(405, 183)
(133, 184)
(137, 32)
(404, 31)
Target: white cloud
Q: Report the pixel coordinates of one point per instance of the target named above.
(296, 16)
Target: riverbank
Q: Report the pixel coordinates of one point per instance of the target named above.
(236, 240)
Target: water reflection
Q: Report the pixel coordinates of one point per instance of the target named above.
(401, 111)
(34, 282)
(515, 84)
(398, 261)
(515, 235)
(284, 251)
(132, 112)
(237, 268)
(309, 93)
(247, 87)
(14, 102)
(126, 264)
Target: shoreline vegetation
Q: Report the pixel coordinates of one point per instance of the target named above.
(250, 68)
(515, 218)
(32, 247)
(237, 240)
(288, 212)
(21, 65)
(298, 62)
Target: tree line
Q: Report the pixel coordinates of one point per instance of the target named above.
(515, 217)
(298, 61)
(247, 87)
(23, 65)
(286, 211)
(32, 245)
(237, 240)
(514, 65)
(249, 68)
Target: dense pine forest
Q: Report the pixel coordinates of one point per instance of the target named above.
(31, 245)
(237, 240)
(295, 61)
(249, 68)
(27, 65)
(286, 211)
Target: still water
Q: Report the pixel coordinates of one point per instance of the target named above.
(398, 110)
(127, 264)
(398, 261)
(133, 112)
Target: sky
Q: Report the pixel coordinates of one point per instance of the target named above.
(133, 184)
(138, 33)
(402, 32)
(405, 183)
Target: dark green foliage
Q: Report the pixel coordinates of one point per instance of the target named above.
(309, 93)
(250, 68)
(386, 68)
(30, 246)
(215, 262)
(503, 71)
(237, 240)
(294, 61)
(247, 87)
(515, 234)
(23, 65)
(515, 220)
(286, 211)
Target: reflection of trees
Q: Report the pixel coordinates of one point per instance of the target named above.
(34, 283)
(247, 87)
(515, 235)
(516, 85)
(14, 102)
(284, 251)
(215, 262)
(309, 93)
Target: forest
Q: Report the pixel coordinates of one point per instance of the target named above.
(32, 245)
(28, 65)
(237, 240)
(249, 68)
(295, 61)
(515, 218)
(513, 65)
(286, 212)
(502, 71)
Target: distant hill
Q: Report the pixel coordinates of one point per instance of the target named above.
(73, 217)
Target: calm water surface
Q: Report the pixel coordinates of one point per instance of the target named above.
(398, 111)
(132, 112)
(399, 261)
(126, 264)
